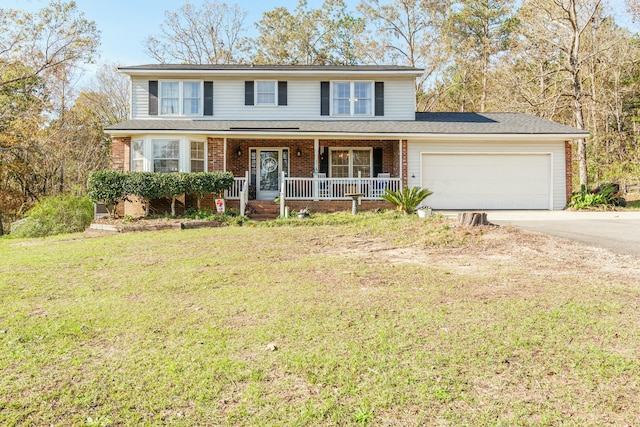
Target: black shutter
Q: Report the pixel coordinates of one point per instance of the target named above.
(324, 98)
(208, 98)
(377, 161)
(248, 92)
(282, 93)
(324, 160)
(153, 97)
(379, 98)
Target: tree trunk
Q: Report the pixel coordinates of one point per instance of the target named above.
(1, 232)
(473, 219)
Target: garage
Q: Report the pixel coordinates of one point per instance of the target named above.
(488, 180)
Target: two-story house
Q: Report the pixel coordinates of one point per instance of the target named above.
(317, 133)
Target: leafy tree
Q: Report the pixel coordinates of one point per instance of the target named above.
(212, 34)
(328, 35)
(406, 32)
(478, 31)
(37, 51)
(560, 26)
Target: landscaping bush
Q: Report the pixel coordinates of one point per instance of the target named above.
(606, 194)
(107, 187)
(56, 215)
(407, 200)
(203, 183)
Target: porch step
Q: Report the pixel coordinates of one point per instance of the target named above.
(263, 211)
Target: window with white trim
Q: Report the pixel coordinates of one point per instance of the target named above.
(347, 162)
(266, 92)
(181, 98)
(137, 155)
(197, 156)
(191, 98)
(352, 98)
(166, 155)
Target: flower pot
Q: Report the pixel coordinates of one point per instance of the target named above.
(423, 213)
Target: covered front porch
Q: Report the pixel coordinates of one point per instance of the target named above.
(313, 170)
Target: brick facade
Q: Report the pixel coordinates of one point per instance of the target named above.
(568, 151)
(303, 166)
(215, 154)
(120, 152)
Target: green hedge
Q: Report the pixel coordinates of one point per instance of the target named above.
(109, 187)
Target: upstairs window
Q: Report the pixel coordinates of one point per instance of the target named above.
(266, 93)
(352, 98)
(191, 97)
(181, 98)
(169, 98)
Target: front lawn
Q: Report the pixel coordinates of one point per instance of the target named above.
(374, 320)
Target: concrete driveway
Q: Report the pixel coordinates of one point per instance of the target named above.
(616, 231)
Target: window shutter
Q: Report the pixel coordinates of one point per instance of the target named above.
(248, 92)
(153, 97)
(282, 93)
(377, 161)
(324, 160)
(208, 98)
(379, 89)
(324, 98)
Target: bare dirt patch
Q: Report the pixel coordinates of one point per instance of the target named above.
(486, 248)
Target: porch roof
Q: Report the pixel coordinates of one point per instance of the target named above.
(424, 124)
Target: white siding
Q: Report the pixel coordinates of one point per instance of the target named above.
(416, 148)
(303, 101)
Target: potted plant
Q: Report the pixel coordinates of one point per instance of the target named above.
(424, 211)
(303, 213)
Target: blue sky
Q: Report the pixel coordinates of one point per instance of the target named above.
(126, 24)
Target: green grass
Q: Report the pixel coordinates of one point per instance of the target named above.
(634, 204)
(172, 328)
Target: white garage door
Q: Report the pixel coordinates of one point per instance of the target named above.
(487, 181)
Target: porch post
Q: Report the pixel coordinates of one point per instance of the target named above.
(400, 162)
(224, 154)
(316, 157)
(283, 190)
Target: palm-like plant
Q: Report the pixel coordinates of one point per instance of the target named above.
(408, 199)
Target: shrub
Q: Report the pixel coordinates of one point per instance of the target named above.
(408, 199)
(145, 185)
(172, 186)
(203, 183)
(107, 187)
(56, 215)
(604, 195)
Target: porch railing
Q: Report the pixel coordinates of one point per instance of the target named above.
(234, 192)
(321, 188)
(338, 188)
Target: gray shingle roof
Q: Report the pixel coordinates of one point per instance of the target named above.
(251, 67)
(425, 123)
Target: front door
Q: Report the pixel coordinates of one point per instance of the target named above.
(268, 174)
